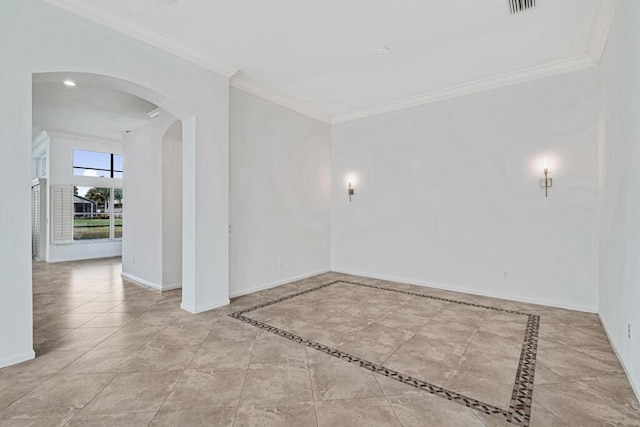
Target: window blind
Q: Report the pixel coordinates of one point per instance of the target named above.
(61, 214)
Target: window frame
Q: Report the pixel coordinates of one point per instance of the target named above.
(112, 217)
(112, 171)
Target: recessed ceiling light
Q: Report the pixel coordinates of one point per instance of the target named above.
(70, 83)
(384, 50)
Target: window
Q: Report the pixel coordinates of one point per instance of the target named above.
(97, 164)
(97, 213)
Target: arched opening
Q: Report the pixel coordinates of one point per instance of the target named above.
(191, 93)
(106, 205)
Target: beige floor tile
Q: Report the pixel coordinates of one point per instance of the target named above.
(103, 360)
(276, 349)
(574, 364)
(201, 388)
(69, 320)
(168, 358)
(345, 323)
(543, 418)
(313, 332)
(181, 335)
(228, 354)
(107, 320)
(139, 419)
(372, 412)
(156, 318)
(590, 335)
(95, 307)
(133, 392)
(12, 389)
(391, 387)
(615, 388)
(430, 360)
(89, 321)
(493, 420)
(576, 404)
(80, 338)
(400, 320)
(333, 378)
(38, 422)
(60, 396)
(428, 409)
(375, 343)
(132, 335)
(47, 363)
(296, 415)
(276, 384)
(201, 417)
(455, 333)
(230, 329)
(487, 377)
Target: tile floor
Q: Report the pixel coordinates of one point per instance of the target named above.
(114, 353)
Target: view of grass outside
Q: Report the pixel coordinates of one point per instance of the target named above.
(95, 227)
(93, 213)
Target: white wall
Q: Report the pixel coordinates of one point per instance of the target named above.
(172, 208)
(144, 238)
(41, 38)
(447, 194)
(142, 191)
(279, 199)
(61, 173)
(620, 202)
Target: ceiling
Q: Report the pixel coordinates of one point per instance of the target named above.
(321, 58)
(92, 107)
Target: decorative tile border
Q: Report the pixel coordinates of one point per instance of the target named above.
(519, 411)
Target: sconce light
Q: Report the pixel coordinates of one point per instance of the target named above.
(546, 182)
(350, 191)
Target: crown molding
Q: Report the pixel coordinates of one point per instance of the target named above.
(602, 28)
(242, 83)
(508, 79)
(83, 137)
(39, 144)
(136, 30)
(129, 27)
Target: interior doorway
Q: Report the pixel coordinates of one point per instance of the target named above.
(106, 202)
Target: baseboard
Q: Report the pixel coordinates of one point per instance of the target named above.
(17, 359)
(142, 282)
(82, 258)
(278, 283)
(634, 386)
(203, 308)
(474, 292)
(171, 287)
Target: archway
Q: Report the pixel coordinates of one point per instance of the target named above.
(57, 41)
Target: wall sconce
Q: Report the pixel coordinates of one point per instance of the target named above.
(350, 191)
(546, 182)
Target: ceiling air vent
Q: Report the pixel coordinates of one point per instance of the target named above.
(518, 6)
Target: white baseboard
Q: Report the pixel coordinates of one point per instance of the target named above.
(171, 287)
(203, 308)
(155, 286)
(143, 282)
(278, 283)
(8, 361)
(635, 386)
(586, 309)
(83, 258)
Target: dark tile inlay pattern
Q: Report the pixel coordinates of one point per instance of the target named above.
(518, 413)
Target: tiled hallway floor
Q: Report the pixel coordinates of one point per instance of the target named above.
(114, 353)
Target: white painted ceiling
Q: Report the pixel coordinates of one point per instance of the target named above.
(91, 108)
(323, 55)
